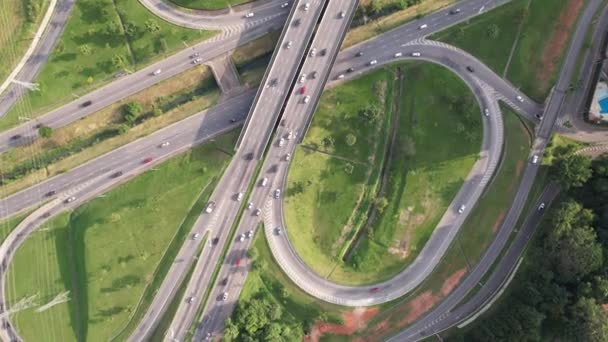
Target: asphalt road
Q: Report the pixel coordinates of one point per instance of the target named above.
(441, 317)
(236, 179)
(41, 54)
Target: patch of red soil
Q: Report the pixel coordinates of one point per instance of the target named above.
(353, 321)
(559, 38)
(450, 283)
(605, 307)
(418, 306)
(498, 221)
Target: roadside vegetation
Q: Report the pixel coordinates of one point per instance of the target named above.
(271, 307)
(208, 4)
(437, 140)
(113, 252)
(7, 225)
(561, 288)
(20, 20)
(524, 40)
(103, 39)
(116, 125)
(251, 59)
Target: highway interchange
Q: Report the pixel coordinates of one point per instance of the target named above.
(485, 84)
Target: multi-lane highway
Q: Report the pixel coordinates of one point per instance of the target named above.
(277, 81)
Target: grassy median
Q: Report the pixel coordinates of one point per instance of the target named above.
(110, 252)
(335, 179)
(208, 4)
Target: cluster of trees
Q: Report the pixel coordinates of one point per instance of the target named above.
(261, 319)
(560, 290)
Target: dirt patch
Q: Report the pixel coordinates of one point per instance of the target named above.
(450, 283)
(353, 321)
(518, 169)
(418, 306)
(498, 221)
(558, 40)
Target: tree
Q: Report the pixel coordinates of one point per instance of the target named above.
(85, 49)
(328, 141)
(493, 31)
(32, 10)
(231, 330)
(131, 29)
(371, 112)
(45, 131)
(152, 26)
(571, 170)
(381, 204)
(124, 128)
(349, 168)
(130, 111)
(375, 6)
(351, 139)
(119, 61)
(589, 321)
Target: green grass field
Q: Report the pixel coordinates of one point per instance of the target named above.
(18, 30)
(538, 51)
(321, 204)
(108, 252)
(208, 4)
(101, 39)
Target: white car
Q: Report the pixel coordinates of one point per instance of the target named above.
(249, 234)
(534, 159)
(264, 181)
(242, 238)
(288, 44)
(541, 206)
(306, 99)
(197, 60)
(461, 209)
(190, 299)
(157, 72)
(302, 78)
(250, 206)
(339, 77)
(165, 144)
(225, 296)
(486, 112)
(289, 135)
(342, 14)
(249, 15)
(258, 212)
(288, 157)
(285, 5)
(373, 62)
(70, 199)
(306, 6)
(398, 54)
(277, 193)
(313, 52)
(210, 207)
(423, 26)
(520, 99)
(281, 142)
(195, 236)
(239, 196)
(415, 54)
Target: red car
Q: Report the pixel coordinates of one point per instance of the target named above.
(374, 290)
(147, 160)
(302, 90)
(237, 262)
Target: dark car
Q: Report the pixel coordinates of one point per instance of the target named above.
(249, 156)
(302, 90)
(86, 103)
(224, 282)
(351, 69)
(50, 193)
(215, 240)
(117, 174)
(233, 120)
(359, 54)
(147, 160)
(470, 69)
(45, 215)
(38, 125)
(323, 52)
(297, 22)
(16, 136)
(455, 11)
